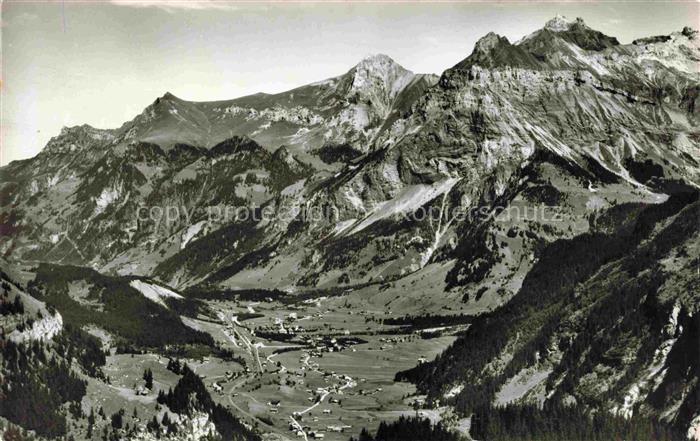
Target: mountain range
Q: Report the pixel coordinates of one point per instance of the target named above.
(547, 188)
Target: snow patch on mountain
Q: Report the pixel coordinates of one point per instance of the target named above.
(408, 200)
(454, 391)
(343, 225)
(520, 384)
(153, 292)
(190, 233)
(294, 189)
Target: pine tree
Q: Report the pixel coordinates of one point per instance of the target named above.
(153, 425)
(118, 419)
(148, 377)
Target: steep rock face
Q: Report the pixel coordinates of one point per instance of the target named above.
(378, 80)
(191, 428)
(77, 139)
(136, 200)
(679, 51)
(64, 158)
(471, 139)
(33, 322)
(602, 320)
(43, 329)
(494, 50)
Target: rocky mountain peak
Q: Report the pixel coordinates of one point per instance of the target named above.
(169, 96)
(378, 79)
(560, 28)
(378, 63)
(77, 137)
(380, 70)
(689, 32)
(560, 23)
(282, 153)
(489, 42)
(83, 128)
(493, 50)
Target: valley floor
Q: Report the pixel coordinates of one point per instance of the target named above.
(333, 376)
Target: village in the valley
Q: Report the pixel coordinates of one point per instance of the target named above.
(306, 370)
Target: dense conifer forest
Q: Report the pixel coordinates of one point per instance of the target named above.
(409, 428)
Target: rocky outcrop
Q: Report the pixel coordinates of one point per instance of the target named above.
(42, 329)
(189, 428)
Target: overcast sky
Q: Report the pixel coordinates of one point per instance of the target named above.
(74, 62)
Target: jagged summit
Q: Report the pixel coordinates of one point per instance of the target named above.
(689, 32)
(80, 127)
(376, 59)
(489, 41)
(378, 79)
(560, 23)
(167, 96)
(572, 31)
(381, 66)
(493, 50)
(81, 130)
(76, 137)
